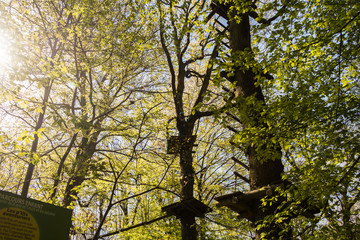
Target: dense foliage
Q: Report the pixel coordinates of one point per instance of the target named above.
(93, 90)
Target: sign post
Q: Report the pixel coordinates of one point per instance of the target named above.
(23, 218)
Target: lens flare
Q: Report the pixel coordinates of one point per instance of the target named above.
(5, 53)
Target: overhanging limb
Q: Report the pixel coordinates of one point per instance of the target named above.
(243, 203)
(134, 226)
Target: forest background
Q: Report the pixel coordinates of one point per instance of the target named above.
(92, 90)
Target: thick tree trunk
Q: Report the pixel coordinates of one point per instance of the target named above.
(265, 169)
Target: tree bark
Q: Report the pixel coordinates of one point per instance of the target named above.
(264, 169)
(188, 228)
(188, 221)
(34, 145)
(60, 167)
(80, 169)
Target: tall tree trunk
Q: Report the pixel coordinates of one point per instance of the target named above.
(80, 169)
(34, 145)
(188, 221)
(265, 169)
(55, 45)
(188, 228)
(61, 166)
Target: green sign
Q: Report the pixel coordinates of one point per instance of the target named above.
(22, 218)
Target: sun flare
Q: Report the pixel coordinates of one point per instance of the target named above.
(5, 54)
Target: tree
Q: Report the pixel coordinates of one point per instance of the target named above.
(319, 143)
(38, 69)
(96, 82)
(184, 47)
(269, 86)
(299, 102)
(263, 151)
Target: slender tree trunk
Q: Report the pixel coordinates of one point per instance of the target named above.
(188, 222)
(80, 169)
(34, 145)
(187, 173)
(188, 228)
(60, 167)
(30, 170)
